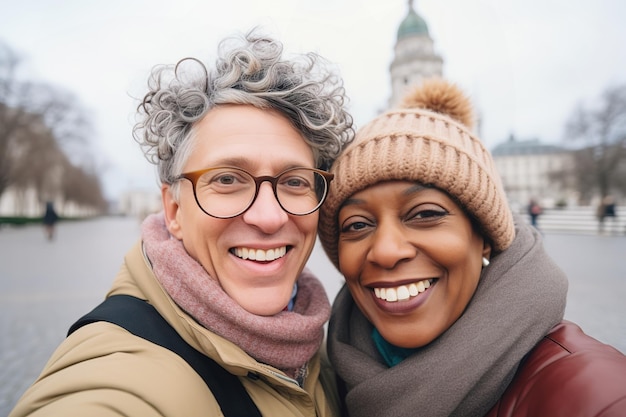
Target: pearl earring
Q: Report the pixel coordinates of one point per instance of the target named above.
(485, 262)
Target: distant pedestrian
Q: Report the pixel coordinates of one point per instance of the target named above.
(534, 211)
(607, 209)
(50, 219)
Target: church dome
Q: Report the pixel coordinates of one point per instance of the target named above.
(412, 24)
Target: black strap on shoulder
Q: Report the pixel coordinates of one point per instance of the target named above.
(143, 320)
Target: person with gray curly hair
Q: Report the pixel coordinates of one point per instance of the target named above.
(253, 73)
(213, 311)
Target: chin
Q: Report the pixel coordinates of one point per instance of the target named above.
(404, 339)
(265, 310)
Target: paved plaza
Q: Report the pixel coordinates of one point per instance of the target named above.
(45, 286)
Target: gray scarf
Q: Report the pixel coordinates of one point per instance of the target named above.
(464, 372)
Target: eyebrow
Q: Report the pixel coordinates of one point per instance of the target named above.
(236, 161)
(251, 164)
(351, 202)
(415, 188)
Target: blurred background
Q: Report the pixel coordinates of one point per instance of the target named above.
(547, 79)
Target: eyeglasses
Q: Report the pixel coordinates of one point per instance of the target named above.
(226, 192)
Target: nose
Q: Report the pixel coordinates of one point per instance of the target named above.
(265, 213)
(391, 245)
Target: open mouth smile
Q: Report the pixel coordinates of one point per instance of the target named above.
(402, 292)
(259, 254)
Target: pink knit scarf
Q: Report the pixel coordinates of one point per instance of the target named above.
(286, 340)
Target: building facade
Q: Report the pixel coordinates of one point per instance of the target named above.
(529, 169)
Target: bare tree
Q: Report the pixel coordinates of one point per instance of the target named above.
(13, 118)
(601, 129)
(83, 188)
(71, 127)
(36, 160)
(39, 127)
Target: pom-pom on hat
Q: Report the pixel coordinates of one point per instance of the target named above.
(427, 140)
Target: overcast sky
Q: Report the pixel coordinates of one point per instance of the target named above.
(525, 63)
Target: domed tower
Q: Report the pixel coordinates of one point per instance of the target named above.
(415, 57)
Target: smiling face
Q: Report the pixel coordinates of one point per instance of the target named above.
(261, 142)
(411, 259)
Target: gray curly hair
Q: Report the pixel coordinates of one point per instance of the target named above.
(250, 69)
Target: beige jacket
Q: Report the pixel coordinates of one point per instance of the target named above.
(103, 370)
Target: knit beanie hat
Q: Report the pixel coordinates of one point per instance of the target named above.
(428, 140)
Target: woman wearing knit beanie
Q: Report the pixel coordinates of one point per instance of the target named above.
(213, 312)
(451, 306)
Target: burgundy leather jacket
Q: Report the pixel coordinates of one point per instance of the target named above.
(567, 374)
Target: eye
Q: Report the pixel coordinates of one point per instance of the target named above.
(223, 180)
(427, 212)
(355, 225)
(296, 183)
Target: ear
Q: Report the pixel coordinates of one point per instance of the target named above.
(486, 249)
(171, 209)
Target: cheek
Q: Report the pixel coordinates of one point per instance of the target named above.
(460, 249)
(363, 298)
(463, 263)
(349, 260)
(193, 242)
(201, 236)
(308, 224)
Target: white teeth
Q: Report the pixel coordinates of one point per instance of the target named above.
(260, 254)
(403, 292)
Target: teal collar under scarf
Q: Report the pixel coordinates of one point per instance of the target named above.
(292, 300)
(392, 355)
